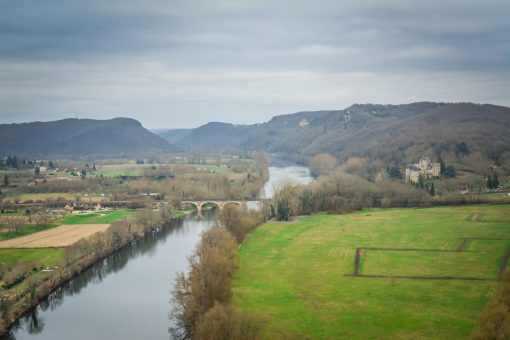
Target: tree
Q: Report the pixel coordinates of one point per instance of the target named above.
(230, 218)
(223, 322)
(15, 222)
(449, 171)
(37, 171)
(432, 189)
(322, 164)
(489, 182)
(211, 269)
(6, 181)
(83, 173)
(495, 180)
(394, 172)
(442, 166)
(286, 200)
(421, 181)
(492, 181)
(461, 149)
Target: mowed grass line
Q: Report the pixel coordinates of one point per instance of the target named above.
(293, 274)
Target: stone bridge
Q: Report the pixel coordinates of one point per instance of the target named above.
(199, 204)
(220, 204)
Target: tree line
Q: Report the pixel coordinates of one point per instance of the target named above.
(22, 289)
(202, 298)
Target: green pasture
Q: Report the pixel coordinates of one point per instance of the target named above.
(298, 275)
(118, 172)
(98, 217)
(47, 256)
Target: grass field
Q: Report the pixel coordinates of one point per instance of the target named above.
(299, 275)
(98, 217)
(49, 256)
(118, 172)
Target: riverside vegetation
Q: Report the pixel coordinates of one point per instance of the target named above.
(26, 281)
(327, 276)
(28, 275)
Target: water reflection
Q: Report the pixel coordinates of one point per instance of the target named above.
(126, 295)
(73, 297)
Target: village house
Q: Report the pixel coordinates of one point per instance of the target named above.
(425, 168)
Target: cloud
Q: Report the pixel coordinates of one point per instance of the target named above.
(182, 63)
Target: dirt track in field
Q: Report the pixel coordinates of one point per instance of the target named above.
(58, 237)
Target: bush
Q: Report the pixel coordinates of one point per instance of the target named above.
(225, 322)
(495, 321)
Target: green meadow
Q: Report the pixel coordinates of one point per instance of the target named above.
(130, 172)
(47, 256)
(102, 217)
(298, 276)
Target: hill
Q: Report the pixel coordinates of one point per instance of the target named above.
(172, 135)
(75, 138)
(466, 133)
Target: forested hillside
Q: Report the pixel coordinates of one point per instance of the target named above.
(468, 134)
(77, 138)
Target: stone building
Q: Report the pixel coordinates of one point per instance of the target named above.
(425, 168)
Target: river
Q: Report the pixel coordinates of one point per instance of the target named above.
(127, 295)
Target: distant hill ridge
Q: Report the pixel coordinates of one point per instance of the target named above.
(393, 134)
(75, 138)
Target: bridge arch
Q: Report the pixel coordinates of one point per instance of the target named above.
(195, 204)
(217, 204)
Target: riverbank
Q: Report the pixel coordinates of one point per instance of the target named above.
(23, 299)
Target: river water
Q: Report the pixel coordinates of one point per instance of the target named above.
(127, 295)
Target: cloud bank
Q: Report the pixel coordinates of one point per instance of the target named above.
(184, 63)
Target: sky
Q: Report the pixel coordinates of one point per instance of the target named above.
(180, 64)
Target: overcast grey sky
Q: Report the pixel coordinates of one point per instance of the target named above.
(184, 63)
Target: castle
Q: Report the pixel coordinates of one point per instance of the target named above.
(424, 167)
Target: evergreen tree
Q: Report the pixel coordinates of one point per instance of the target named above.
(420, 182)
(6, 181)
(443, 166)
(37, 171)
(449, 171)
(432, 189)
(489, 182)
(495, 181)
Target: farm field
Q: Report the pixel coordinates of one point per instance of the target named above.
(419, 273)
(62, 236)
(103, 217)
